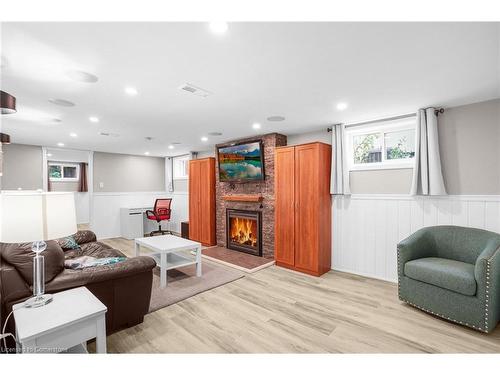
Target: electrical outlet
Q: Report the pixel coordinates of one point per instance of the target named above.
(101, 185)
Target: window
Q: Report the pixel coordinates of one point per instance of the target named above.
(382, 146)
(64, 172)
(181, 167)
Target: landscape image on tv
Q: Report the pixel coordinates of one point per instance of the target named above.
(241, 162)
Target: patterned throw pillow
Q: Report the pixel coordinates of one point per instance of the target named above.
(68, 243)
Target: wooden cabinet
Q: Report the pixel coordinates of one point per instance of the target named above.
(303, 208)
(202, 201)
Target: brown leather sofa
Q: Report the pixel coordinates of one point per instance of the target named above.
(124, 287)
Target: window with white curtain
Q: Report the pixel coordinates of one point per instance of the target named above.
(181, 167)
(383, 145)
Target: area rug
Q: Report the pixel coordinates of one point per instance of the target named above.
(182, 283)
(236, 259)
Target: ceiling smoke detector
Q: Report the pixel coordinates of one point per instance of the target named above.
(81, 76)
(275, 118)
(61, 102)
(106, 134)
(195, 90)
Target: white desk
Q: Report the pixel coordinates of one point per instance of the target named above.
(133, 221)
(69, 321)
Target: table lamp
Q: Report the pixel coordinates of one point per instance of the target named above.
(36, 216)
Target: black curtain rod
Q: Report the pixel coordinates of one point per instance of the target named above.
(436, 112)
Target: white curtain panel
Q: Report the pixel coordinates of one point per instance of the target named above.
(169, 173)
(339, 183)
(427, 174)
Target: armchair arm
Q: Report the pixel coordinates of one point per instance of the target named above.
(488, 255)
(418, 245)
(487, 274)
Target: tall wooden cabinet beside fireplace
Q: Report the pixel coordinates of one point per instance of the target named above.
(202, 201)
(303, 208)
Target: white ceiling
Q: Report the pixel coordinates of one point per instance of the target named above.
(255, 70)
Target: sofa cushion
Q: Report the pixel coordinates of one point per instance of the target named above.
(21, 257)
(444, 273)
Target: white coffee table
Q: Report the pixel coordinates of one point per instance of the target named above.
(66, 324)
(170, 252)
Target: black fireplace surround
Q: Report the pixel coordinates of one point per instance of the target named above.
(244, 231)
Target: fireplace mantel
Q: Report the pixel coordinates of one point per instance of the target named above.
(243, 198)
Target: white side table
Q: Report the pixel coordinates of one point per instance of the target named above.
(73, 317)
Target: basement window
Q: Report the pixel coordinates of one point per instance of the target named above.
(385, 145)
(64, 172)
(181, 167)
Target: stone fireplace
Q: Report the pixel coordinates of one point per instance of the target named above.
(244, 231)
(264, 207)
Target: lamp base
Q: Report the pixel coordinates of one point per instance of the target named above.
(38, 301)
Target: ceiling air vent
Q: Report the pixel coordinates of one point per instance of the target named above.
(195, 90)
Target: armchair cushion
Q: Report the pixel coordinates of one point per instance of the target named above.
(445, 273)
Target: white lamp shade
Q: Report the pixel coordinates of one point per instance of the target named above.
(36, 216)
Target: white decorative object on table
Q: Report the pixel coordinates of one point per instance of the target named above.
(167, 251)
(74, 317)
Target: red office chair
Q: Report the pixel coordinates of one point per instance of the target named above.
(160, 212)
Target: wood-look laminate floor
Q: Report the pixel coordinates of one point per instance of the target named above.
(280, 311)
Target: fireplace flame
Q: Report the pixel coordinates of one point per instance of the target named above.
(243, 231)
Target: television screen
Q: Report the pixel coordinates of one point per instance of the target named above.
(241, 162)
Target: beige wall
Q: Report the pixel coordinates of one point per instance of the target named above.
(384, 181)
(469, 140)
(64, 186)
(22, 167)
(470, 148)
(128, 173)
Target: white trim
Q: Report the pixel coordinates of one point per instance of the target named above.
(117, 193)
(45, 172)
(364, 274)
(485, 198)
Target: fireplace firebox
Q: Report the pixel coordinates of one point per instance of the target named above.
(244, 231)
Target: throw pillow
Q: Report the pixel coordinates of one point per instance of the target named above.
(68, 243)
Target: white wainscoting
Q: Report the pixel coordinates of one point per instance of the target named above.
(367, 228)
(82, 207)
(105, 210)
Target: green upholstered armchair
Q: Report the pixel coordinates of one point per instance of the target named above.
(454, 273)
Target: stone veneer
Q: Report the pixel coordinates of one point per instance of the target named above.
(265, 188)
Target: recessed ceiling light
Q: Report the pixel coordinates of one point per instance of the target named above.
(204, 139)
(218, 27)
(146, 153)
(341, 106)
(256, 125)
(275, 118)
(49, 155)
(171, 147)
(60, 144)
(94, 119)
(81, 76)
(61, 102)
(132, 91)
(215, 134)
(74, 135)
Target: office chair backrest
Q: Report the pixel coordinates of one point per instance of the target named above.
(162, 208)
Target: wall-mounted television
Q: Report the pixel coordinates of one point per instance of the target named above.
(241, 162)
